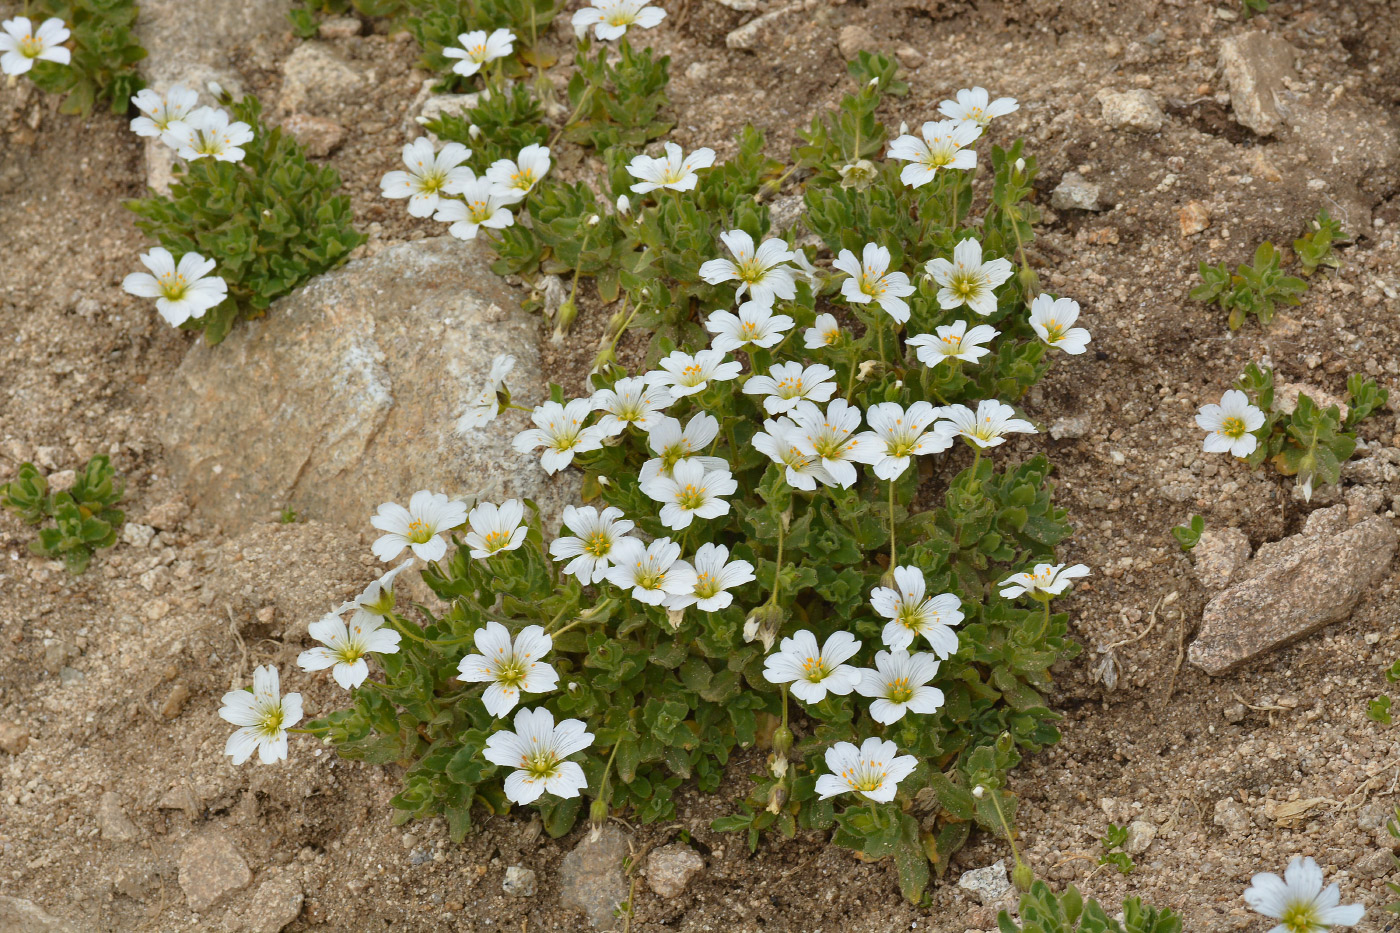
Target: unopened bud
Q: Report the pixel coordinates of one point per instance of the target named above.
(564, 320)
(598, 812)
(593, 221)
(474, 131)
(979, 792)
(624, 205)
(1022, 877)
(777, 799)
(1020, 166)
(1030, 282)
(782, 741)
(675, 617)
(903, 128)
(216, 89)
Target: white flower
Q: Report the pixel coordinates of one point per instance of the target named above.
(870, 282)
(537, 749)
(590, 552)
(685, 374)
(672, 445)
(778, 442)
(1052, 318)
(22, 45)
(789, 383)
(899, 684)
(181, 291)
(691, 492)
(672, 171)
(715, 575)
(823, 333)
(610, 18)
(480, 207)
(972, 105)
(208, 132)
(651, 571)
(985, 427)
(559, 430)
(346, 645)
(492, 529)
(263, 717)
(1044, 581)
(478, 48)
(754, 326)
(630, 401)
(814, 672)
(829, 437)
(942, 147)
(510, 669)
(1299, 901)
(418, 527)
(487, 405)
(429, 175)
(911, 615)
(378, 597)
(158, 111)
(967, 279)
(874, 770)
(899, 435)
(953, 342)
(761, 271)
(513, 180)
(1228, 425)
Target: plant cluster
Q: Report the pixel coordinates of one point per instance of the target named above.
(1041, 910)
(76, 521)
(1112, 844)
(1257, 289)
(100, 67)
(1317, 246)
(1189, 535)
(245, 195)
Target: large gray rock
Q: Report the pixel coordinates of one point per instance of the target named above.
(1256, 65)
(346, 393)
(316, 80)
(210, 868)
(1293, 587)
(590, 877)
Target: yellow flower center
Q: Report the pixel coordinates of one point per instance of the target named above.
(173, 286)
(815, 669)
(598, 544)
(1232, 427)
(419, 531)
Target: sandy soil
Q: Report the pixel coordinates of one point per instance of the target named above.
(89, 666)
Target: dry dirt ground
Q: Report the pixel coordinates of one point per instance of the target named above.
(115, 676)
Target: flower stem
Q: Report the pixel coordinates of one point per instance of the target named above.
(851, 379)
(894, 554)
(778, 568)
(1005, 826)
(583, 99)
(403, 628)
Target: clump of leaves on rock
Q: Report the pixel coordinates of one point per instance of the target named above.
(75, 522)
(272, 220)
(1310, 442)
(104, 55)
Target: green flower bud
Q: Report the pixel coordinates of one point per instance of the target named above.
(598, 812)
(1022, 877)
(782, 741)
(564, 320)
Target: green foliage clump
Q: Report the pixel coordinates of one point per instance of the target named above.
(1257, 289)
(505, 122)
(1189, 535)
(271, 221)
(618, 103)
(436, 24)
(1043, 911)
(78, 521)
(1112, 844)
(104, 55)
(1311, 442)
(1316, 247)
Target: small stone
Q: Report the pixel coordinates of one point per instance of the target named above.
(168, 514)
(1257, 66)
(48, 457)
(1219, 555)
(434, 106)
(340, 27)
(520, 882)
(1075, 193)
(276, 903)
(1194, 218)
(13, 738)
(590, 877)
(909, 56)
(181, 797)
(1231, 816)
(1070, 427)
(1140, 836)
(211, 867)
(741, 6)
(1135, 110)
(175, 701)
(853, 39)
(762, 30)
(319, 136)
(986, 884)
(1234, 713)
(670, 869)
(113, 821)
(316, 79)
(69, 676)
(137, 535)
(62, 480)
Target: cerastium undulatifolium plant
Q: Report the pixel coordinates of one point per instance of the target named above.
(82, 49)
(248, 217)
(73, 522)
(802, 530)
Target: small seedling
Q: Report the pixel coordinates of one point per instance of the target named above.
(1257, 289)
(1112, 842)
(1250, 7)
(1315, 248)
(1043, 911)
(77, 521)
(1189, 535)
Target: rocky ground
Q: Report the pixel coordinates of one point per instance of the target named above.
(1169, 132)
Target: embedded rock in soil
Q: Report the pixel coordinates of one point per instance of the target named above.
(211, 867)
(1131, 110)
(671, 868)
(765, 30)
(13, 738)
(1294, 587)
(20, 916)
(520, 882)
(1140, 836)
(1075, 193)
(317, 135)
(986, 884)
(590, 877)
(1219, 555)
(276, 903)
(1256, 65)
(1286, 398)
(346, 393)
(315, 79)
(113, 821)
